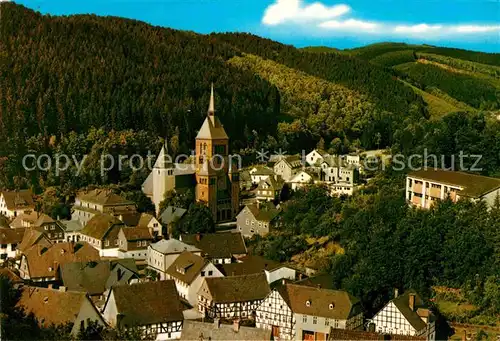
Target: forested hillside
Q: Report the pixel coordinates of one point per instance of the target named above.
(322, 109)
(71, 73)
(381, 87)
(453, 75)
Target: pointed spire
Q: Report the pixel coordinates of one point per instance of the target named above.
(211, 106)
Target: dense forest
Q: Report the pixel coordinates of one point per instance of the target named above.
(72, 73)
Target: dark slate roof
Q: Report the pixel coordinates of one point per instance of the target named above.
(71, 225)
(103, 197)
(11, 236)
(16, 200)
(186, 267)
(99, 226)
(263, 212)
(88, 277)
(296, 297)
(148, 303)
(171, 214)
(122, 271)
(320, 281)
(195, 330)
(248, 265)
(130, 218)
(345, 334)
(402, 303)
(217, 245)
(474, 185)
(237, 288)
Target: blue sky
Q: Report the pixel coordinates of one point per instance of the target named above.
(470, 24)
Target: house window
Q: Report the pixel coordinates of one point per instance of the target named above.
(139, 243)
(247, 222)
(327, 322)
(203, 274)
(106, 243)
(143, 243)
(315, 320)
(210, 273)
(304, 319)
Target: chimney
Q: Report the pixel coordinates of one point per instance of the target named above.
(62, 289)
(396, 292)
(236, 325)
(411, 301)
(216, 323)
(198, 236)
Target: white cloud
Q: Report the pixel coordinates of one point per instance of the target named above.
(476, 28)
(295, 11)
(334, 18)
(350, 25)
(420, 28)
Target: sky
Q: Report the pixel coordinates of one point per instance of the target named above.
(468, 24)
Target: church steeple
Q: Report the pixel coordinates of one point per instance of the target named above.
(211, 106)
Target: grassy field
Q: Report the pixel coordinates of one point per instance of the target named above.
(463, 316)
(437, 106)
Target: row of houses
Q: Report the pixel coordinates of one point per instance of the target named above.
(292, 311)
(339, 172)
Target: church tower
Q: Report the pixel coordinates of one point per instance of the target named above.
(213, 183)
(163, 177)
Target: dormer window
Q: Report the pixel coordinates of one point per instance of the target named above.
(331, 306)
(308, 303)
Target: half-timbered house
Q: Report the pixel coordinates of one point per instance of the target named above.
(232, 297)
(405, 315)
(152, 307)
(296, 312)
